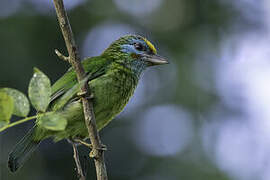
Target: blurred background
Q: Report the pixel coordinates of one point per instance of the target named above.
(205, 116)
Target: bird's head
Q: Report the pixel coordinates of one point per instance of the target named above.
(135, 51)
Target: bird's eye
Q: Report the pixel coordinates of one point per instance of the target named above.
(138, 46)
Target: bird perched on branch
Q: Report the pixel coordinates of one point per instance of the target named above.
(113, 77)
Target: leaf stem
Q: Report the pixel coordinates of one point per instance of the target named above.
(19, 122)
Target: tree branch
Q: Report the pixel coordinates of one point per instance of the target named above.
(97, 151)
(77, 161)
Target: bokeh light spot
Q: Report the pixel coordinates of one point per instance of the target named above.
(238, 152)
(138, 7)
(163, 130)
(9, 7)
(101, 36)
(44, 6)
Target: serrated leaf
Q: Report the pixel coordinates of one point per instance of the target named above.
(53, 121)
(6, 107)
(21, 103)
(39, 90)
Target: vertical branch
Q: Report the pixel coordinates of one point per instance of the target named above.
(97, 151)
(77, 161)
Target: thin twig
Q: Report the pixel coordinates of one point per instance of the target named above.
(97, 152)
(61, 56)
(77, 161)
(83, 143)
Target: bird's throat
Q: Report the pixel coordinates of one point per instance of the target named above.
(137, 67)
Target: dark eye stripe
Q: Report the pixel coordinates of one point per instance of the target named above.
(139, 46)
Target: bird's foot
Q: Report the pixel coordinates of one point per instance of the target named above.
(82, 94)
(85, 95)
(95, 152)
(91, 97)
(103, 147)
(82, 142)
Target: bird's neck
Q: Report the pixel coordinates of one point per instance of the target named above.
(122, 61)
(135, 67)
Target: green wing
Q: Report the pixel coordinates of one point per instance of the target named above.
(94, 67)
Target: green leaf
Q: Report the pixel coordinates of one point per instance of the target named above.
(53, 121)
(3, 124)
(39, 90)
(21, 103)
(6, 107)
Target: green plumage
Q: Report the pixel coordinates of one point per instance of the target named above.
(112, 89)
(113, 78)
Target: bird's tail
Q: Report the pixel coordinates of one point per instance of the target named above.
(22, 151)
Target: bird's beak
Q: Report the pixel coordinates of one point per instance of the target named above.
(155, 60)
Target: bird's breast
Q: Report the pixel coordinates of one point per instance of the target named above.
(111, 93)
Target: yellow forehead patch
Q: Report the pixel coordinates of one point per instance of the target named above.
(151, 46)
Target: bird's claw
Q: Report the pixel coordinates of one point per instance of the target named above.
(91, 97)
(85, 95)
(82, 94)
(94, 153)
(103, 147)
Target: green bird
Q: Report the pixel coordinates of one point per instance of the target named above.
(114, 76)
